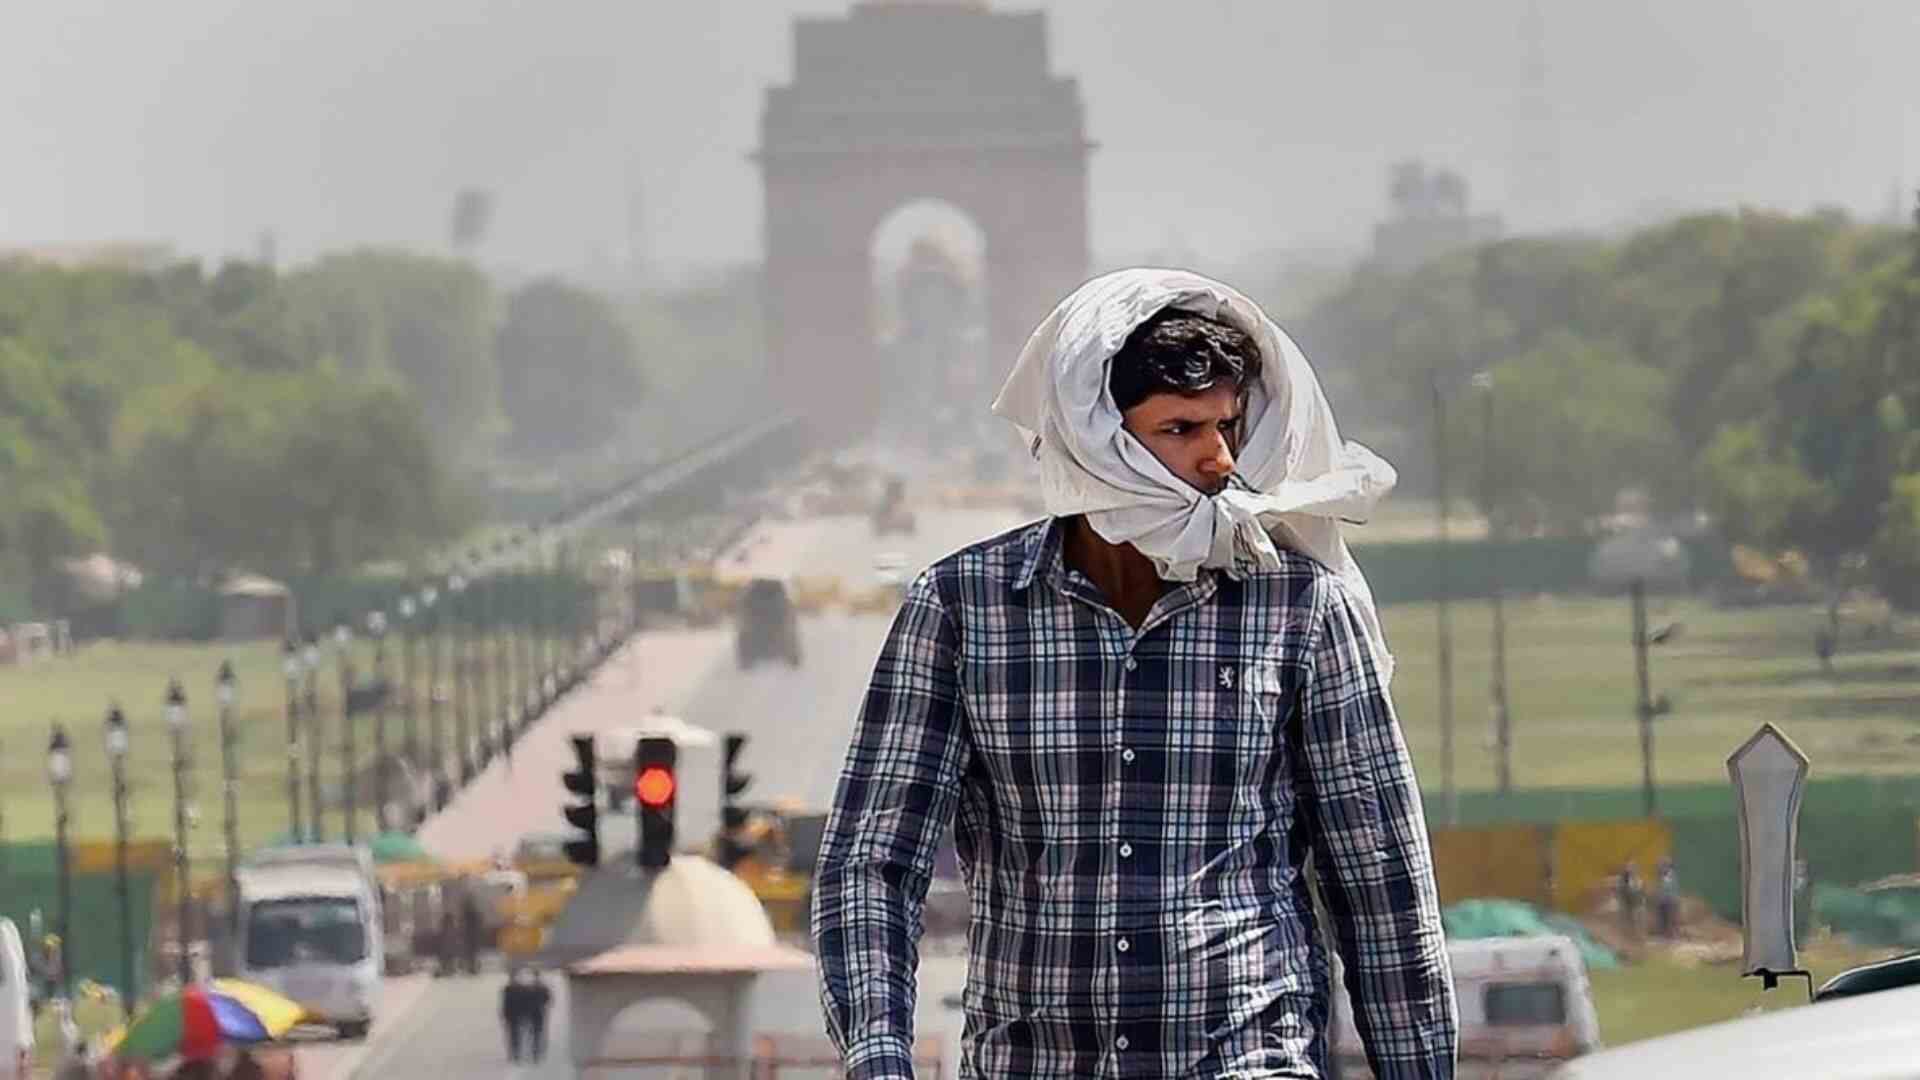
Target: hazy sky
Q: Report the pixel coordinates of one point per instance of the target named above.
(1233, 127)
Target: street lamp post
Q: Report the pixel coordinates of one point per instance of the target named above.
(436, 741)
(409, 727)
(177, 727)
(316, 743)
(350, 788)
(115, 733)
(60, 774)
(483, 675)
(290, 668)
(1634, 560)
(223, 687)
(1443, 590)
(1502, 707)
(377, 629)
(458, 661)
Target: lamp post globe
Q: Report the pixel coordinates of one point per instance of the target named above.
(59, 758)
(176, 703)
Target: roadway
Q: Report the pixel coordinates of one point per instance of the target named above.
(798, 722)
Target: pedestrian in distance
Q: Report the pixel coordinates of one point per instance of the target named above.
(524, 1003)
(1145, 715)
(513, 1014)
(473, 930)
(1666, 902)
(539, 1002)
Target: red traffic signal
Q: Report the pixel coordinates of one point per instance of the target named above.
(654, 787)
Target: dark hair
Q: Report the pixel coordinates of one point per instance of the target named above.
(1179, 352)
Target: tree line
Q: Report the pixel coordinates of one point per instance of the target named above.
(1761, 367)
(293, 423)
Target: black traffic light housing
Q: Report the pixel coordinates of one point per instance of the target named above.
(656, 787)
(583, 781)
(733, 783)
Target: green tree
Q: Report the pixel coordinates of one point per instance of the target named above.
(1575, 423)
(429, 321)
(569, 376)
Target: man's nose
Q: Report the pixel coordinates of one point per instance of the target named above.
(1219, 458)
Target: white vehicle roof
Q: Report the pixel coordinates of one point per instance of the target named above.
(1491, 956)
(343, 856)
(1869, 1037)
(283, 882)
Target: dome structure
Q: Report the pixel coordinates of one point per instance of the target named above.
(691, 903)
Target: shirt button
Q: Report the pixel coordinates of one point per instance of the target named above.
(1126, 851)
(1127, 755)
(1132, 663)
(1123, 945)
(1121, 1043)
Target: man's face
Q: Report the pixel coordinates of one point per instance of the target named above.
(1194, 437)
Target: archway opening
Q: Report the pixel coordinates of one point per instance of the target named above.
(660, 1030)
(929, 324)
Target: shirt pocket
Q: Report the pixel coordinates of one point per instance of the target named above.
(1250, 706)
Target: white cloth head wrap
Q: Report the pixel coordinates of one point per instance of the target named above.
(1300, 479)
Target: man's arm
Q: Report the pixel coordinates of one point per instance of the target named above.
(1361, 805)
(896, 796)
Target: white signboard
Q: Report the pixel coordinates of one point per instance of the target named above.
(1769, 779)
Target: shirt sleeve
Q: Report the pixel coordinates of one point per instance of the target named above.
(1361, 805)
(896, 796)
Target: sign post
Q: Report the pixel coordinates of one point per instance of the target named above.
(1769, 780)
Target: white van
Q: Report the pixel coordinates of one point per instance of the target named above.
(312, 928)
(16, 1006)
(1526, 1008)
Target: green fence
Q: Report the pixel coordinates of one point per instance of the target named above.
(1410, 572)
(178, 610)
(1852, 828)
(29, 882)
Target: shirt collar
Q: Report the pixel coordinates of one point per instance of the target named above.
(1042, 552)
(1042, 555)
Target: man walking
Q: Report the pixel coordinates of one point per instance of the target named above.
(524, 1003)
(1146, 716)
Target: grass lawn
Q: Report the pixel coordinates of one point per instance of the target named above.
(77, 690)
(1571, 679)
(1570, 669)
(1662, 995)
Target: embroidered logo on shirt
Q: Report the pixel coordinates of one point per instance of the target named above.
(1226, 677)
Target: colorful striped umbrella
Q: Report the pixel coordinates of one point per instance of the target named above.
(193, 1023)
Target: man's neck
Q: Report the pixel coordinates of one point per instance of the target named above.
(1125, 578)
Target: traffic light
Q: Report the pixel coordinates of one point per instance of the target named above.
(583, 815)
(655, 786)
(733, 816)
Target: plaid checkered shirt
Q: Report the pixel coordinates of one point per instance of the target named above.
(1133, 811)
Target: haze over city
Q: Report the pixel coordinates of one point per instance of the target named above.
(1268, 126)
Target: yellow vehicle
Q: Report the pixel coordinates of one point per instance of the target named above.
(551, 879)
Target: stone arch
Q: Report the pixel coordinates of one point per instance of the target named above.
(894, 103)
(596, 1008)
(927, 273)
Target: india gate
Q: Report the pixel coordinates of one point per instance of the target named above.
(903, 101)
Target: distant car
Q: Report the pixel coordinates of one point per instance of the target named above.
(769, 626)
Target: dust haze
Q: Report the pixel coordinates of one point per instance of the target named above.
(1227, 129)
